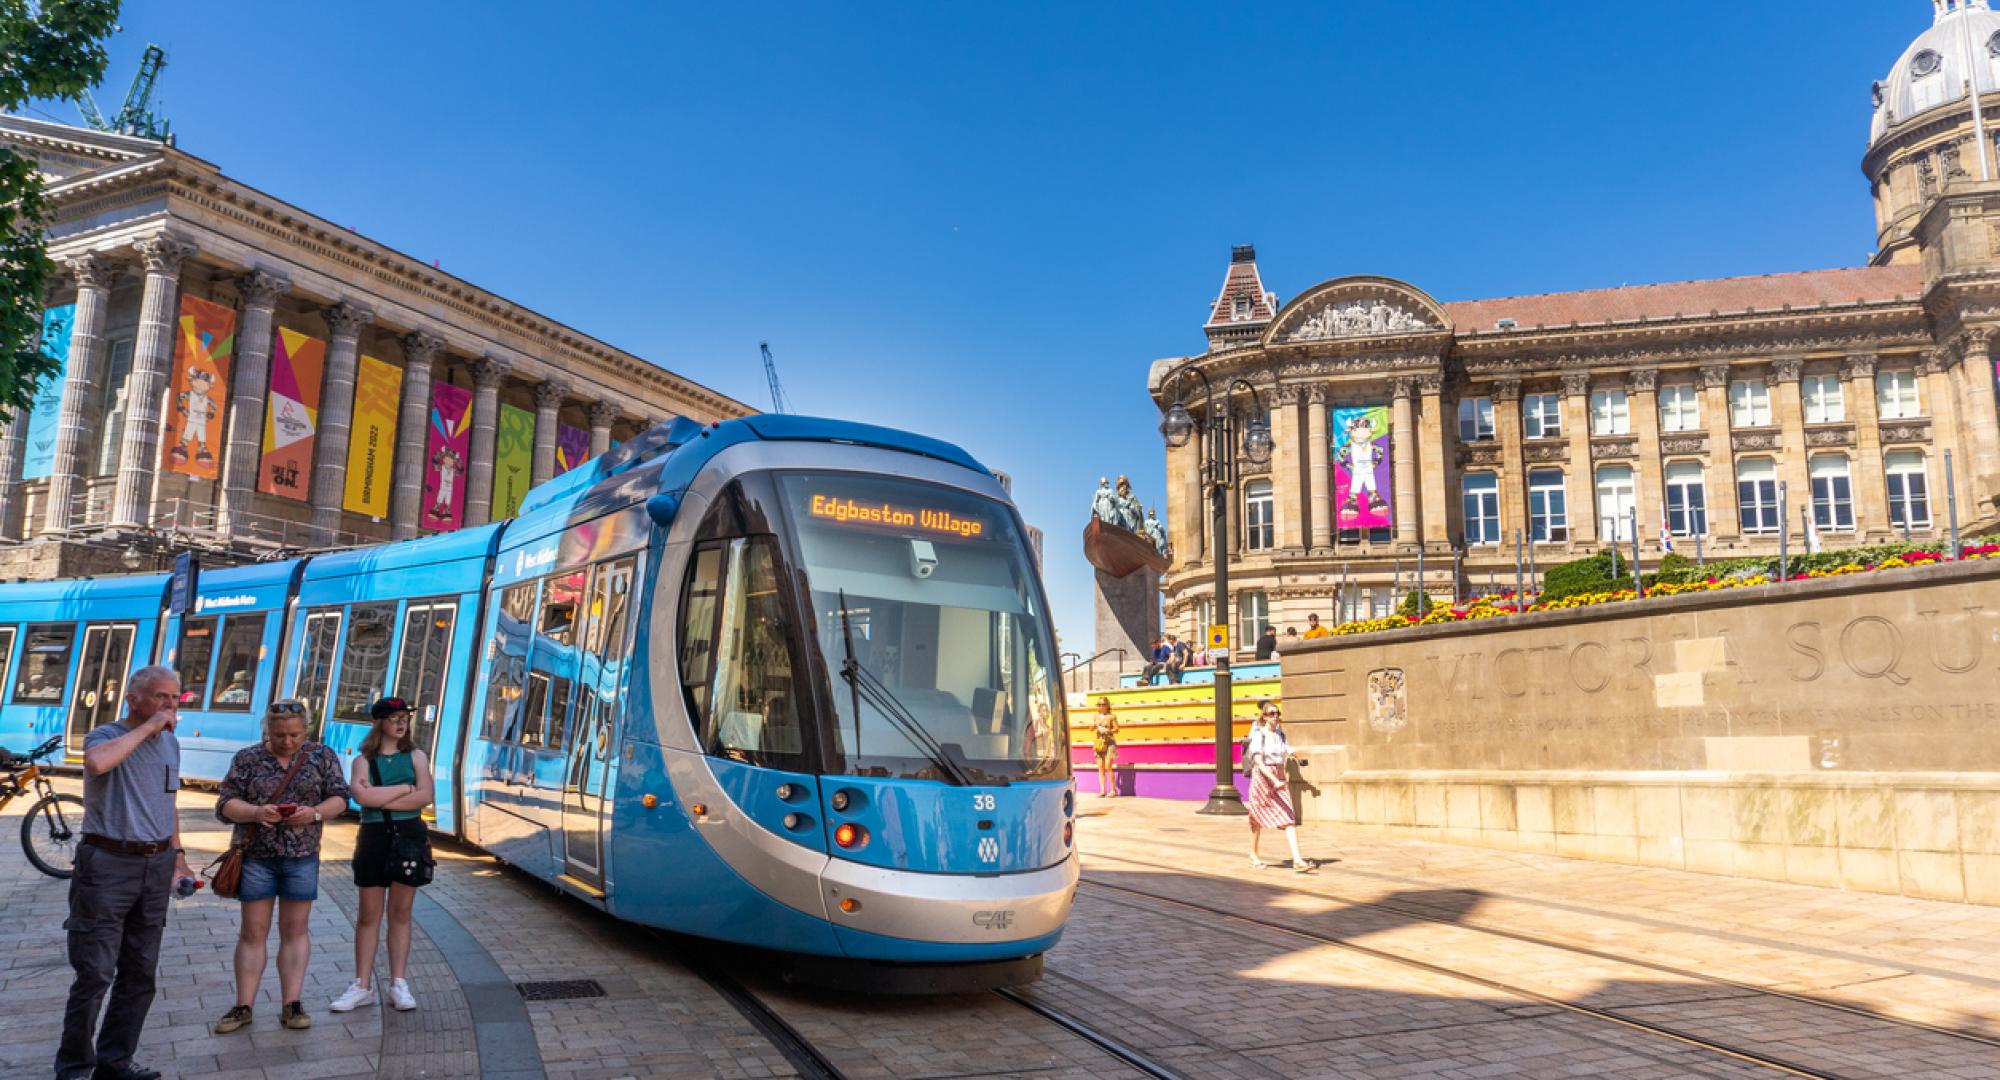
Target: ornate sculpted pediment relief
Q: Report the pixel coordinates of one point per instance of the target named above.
(1356, 308)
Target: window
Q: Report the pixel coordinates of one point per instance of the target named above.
(1482, 508)
(1259, 527)
(6, 651)
(1255, 607)
(1687, 499)
(1896, 395)
(322, 641)
(1610, 414)
(737, 651)
(420, 668)
(1927, 87)
(44, 663)
(1909, 489)
(192, 655)
(1541, 416)
(1241, 307)
(1548, 506)
(1823, 399)
(364, 663)
(507, 684)
(237, 653)
(1475, 419)
(1757, 494)
(1680, 408)
(1615, 502)
(1204, 616)
(1749, 404)
(1832, 493)
(552, 663)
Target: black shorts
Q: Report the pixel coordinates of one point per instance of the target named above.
(371, 849)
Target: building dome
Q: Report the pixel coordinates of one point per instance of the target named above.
(1932, 71)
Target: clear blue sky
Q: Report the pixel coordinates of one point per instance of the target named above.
(982, 222)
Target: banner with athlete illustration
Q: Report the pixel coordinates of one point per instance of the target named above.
(447, 455)
(205, 339)
(1364, 494)
(572, 447)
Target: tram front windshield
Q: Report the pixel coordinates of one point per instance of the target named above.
(928, 590)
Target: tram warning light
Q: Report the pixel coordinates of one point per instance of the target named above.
(849, 835)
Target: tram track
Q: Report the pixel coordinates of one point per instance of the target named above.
(1206, 915)
(1117, 1049)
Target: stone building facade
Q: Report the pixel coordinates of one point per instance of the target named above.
(140, 225)
(1726, 416)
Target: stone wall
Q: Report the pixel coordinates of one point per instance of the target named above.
(1842, 732)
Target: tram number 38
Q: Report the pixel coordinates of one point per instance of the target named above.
(989, 847)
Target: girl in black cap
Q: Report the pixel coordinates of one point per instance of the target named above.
(392, 782)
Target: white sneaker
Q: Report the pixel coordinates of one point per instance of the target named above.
(356, 996)
(400, 996)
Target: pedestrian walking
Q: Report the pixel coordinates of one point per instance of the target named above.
(1270, 801)
(277, 793)
(392, 782)
(126, 870)
(1106, 742)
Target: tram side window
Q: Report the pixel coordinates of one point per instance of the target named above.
(507, 682)
(322, 640)
(191, 657)
(555, 658)
(6, 651)
(737, 656)
(237, 652)
(364, 664)
(420, 669)
(44, 663)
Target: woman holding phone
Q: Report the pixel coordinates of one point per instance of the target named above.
(276, 794)
(392, 782)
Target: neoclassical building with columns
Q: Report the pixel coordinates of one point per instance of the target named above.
(146, 234)
(1726, 416)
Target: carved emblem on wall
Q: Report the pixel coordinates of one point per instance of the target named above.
(1388, 700)
(1615, 448)
(1481, 455)
(1683, 444)
(1754, 440)
(1359, 318)
(1547, 451)
(1993, 238)
(1907, 431)
(1830, 436)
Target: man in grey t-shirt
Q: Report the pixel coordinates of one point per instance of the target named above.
(125, 874)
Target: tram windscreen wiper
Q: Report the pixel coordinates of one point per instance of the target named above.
(867, 687)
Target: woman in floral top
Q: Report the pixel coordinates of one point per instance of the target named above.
(281, 861)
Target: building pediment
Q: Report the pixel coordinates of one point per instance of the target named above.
(1357, 308)
(61, 151)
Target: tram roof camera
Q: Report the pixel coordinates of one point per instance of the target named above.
(923, 558)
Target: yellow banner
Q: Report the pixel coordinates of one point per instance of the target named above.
(371, 446)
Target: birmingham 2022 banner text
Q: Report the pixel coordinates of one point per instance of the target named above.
(39, 457)
(192, 445)
(371, 444)
(293, 415)
(1363, 475)
(447, 453)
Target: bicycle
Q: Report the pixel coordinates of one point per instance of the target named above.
(54, 825)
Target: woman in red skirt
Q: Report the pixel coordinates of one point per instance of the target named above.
(1270, 801)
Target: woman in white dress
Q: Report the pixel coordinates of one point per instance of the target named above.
(1270, 801)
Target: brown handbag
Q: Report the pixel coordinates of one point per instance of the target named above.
(225, 874)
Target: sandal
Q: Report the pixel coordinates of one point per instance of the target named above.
(1257, 863)
(1306, 867)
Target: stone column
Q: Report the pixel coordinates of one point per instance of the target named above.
(1581, 477)
(1720, 479)
(1403, 460)
(1789, 413)
(1184, 505)
(13, 447)
(1871, 495)
(249, 383)
(1643, 405)
(486, 377)
(152, 362)
(602, 415)
(1947, 432)
(1436, 463)
(549, 398)
(1319, 475)
(83, 394)
(1513, 471)
(1980, 416)
(344, 321)
(412, 433)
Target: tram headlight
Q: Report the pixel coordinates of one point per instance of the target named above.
(1069, 832)
(839, 800)
(850, 836)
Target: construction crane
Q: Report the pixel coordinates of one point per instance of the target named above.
(136, 116)
(778, 402)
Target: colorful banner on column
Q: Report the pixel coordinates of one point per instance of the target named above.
(289, 423)
(1363, 482)
(193, 442)
(371, 446)
(513, 460)
(40, 454)
(572, 447)
(446, 455)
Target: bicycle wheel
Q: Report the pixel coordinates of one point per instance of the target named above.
(50, 833)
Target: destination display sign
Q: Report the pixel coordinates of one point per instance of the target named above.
(887, 515)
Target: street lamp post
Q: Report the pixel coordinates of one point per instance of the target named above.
(1218, 469)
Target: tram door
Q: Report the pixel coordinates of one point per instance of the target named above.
(606, 639)
(100, 680)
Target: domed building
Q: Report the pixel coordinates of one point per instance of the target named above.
(1413, 441)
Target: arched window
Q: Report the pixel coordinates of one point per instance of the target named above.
(1927, 82)
(1832, 493)
(1909, 489)
(1615, 500)
(1482, 508)
(1548, 506)
(1687, 499)
(1757, 494)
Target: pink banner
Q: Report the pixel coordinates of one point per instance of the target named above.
(447, 455)
(1361, 468)
(572, 447)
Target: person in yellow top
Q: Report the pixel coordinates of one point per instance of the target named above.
(1314, 629)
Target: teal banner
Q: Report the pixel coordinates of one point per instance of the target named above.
(40, 458)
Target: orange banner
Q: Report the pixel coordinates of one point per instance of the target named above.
(289, 424)
(193, 442)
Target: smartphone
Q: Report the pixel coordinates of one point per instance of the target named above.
(288, 809)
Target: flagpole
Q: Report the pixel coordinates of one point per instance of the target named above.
(1784, 531)
(1638, 583)
(1951, 504)
(1520, 586)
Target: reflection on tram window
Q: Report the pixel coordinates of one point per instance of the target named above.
(191, 657)
(322, 641)
(236, 661)
(941, 610)
(420, 668)
(738, 654)
(44, 663)
(364, 662)
(6, 651)
(507, 681)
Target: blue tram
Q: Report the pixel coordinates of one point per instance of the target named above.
(779, 681)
